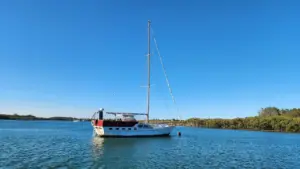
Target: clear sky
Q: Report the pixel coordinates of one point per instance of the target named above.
(223, 58)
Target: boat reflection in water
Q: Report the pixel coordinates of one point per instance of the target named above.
(105, 144)
(124, 150)
(97, 143)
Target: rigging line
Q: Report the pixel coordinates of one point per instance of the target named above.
(164, 96)
(165, 73)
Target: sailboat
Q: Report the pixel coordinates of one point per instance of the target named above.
(125, 124)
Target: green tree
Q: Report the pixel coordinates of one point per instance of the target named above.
(269, 111)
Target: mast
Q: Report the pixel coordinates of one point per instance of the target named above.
(148, 92)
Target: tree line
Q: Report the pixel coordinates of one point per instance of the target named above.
(268, 119)
(31, 117)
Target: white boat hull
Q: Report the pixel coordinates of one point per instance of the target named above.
(132, 131)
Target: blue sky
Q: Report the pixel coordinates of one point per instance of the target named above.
(223, 58)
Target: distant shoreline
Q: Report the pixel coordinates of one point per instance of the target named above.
(33, 118)
(269, 119)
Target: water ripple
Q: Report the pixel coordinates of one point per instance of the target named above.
(40, 145)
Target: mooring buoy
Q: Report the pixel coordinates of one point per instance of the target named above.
(179, 133)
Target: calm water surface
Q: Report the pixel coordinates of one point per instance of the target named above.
(52, 144)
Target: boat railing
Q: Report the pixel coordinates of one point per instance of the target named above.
(159, 125)
(125, 114)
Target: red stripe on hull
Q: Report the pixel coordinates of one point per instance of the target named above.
(108, 123)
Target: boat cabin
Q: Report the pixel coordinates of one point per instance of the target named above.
(121, 119)
(125, 117)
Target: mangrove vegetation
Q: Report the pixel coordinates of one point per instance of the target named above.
(268, 119)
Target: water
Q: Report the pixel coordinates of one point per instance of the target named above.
(53, 144)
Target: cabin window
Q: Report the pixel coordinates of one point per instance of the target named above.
(135, 128)
(123, 128)
(144, 126)
(110, 129)
(117, 128)
(147, 126)
(129, 128)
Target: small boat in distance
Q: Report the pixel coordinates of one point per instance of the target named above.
(125, 124)
(75, 120)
